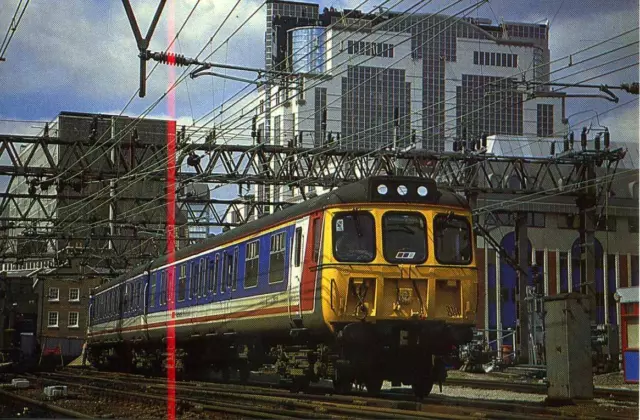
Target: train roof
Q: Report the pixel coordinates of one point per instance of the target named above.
(363, 191)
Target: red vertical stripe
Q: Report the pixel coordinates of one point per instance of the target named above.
(171, 219)
(481, 288)
(552, 266)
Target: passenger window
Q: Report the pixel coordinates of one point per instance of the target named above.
(276, 258)
(182, 283)
(216, 271)
(251, 264)
(298, 247)
(193, 283)
(127, 292)
(152, 291)
(234, 279)
(203, 277)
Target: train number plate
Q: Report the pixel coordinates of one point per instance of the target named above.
(405, 296)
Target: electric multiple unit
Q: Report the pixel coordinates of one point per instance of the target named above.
(373, 281)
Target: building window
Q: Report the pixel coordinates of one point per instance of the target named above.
(633, 224)
(54, 294)
(74, 294)
(73, 319)
(52, 321)
(475, 57)
(545, 120)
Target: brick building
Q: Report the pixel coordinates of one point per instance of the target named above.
(63, 308)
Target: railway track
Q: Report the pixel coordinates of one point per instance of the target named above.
(603, 393)
(274, 402)
(21, 405)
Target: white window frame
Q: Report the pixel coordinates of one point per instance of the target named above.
(76, 299)
(57, 298)
(77, 324)
(57, 324)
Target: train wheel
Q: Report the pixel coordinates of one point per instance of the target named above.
(226, 374)
(300, 384)
(243, 373)
(422, 387)
(374, 385)
(342, 385)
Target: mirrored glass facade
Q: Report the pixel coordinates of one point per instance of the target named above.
(308, 48)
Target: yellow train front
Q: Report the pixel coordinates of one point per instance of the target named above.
(397, 282)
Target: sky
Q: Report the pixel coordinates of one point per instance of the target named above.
(80, 55)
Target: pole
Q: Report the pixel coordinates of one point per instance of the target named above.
(587, 205)
(522, 256)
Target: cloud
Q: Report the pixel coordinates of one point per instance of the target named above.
(86, 51)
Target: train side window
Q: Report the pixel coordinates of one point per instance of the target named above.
(234, 274)
(163, 288)
(216, 274)
(138, 294)
(152, 291)
(127, 292)
(193, 281)
(317, 224)
(182, 283)
(298, 247)
(203, 278)
(251, 264)
(276, 258)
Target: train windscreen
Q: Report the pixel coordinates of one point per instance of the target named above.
(404, 237)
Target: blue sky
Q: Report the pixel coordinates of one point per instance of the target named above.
(80, 55)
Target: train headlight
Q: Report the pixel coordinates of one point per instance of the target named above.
(402, 190)
(382, 189)
(422, 191)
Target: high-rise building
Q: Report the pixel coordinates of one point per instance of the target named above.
(389, 78)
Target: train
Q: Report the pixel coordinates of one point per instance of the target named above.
(375, 280)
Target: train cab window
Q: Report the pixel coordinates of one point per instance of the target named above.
(152, 291)
(452, 239)
(298, 247)
(182, 283)
(251, 264)
(404, 237)
(203, 277)
(354, 238)
(276, 258)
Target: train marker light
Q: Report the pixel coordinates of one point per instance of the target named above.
(422, 191)
(402, 190)
(382, 189)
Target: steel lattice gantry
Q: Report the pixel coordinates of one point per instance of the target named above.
(39, 184)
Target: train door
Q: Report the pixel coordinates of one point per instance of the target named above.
(229, 283)
(296, 268)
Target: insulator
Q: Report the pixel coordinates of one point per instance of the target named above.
(583, 138)
(484, 140)
(171, 59)
(193, 159)
(455, 145)
(254, 132)
(413, 136)
(338, 137)
(464, 145)
(571, 140)
(607, 139)
(259, 137)
(553, 148)
(597, 142)
(183, 133)
(566, 144)
(46, 130)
